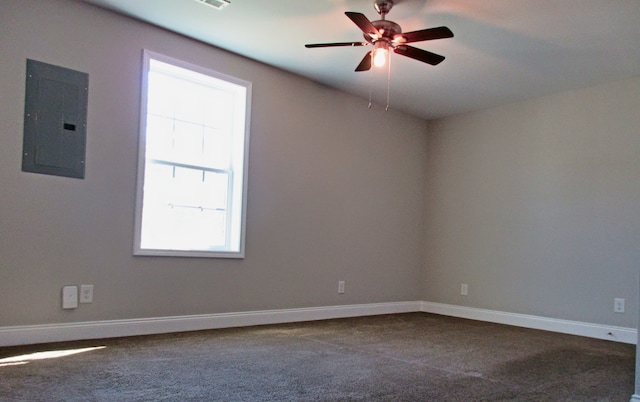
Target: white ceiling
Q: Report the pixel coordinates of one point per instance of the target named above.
(503, 50)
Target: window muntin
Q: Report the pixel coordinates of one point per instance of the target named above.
(192, 165)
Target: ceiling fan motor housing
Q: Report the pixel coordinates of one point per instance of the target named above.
(383, 6)
(387, 28)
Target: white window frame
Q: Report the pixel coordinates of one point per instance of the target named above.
(238, 169)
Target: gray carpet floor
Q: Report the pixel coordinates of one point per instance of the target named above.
(400, 357)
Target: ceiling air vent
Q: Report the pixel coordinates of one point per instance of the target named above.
(217, 4)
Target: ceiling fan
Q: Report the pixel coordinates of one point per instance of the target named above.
(385, 35)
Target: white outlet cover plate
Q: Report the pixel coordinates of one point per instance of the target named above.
(86, 293)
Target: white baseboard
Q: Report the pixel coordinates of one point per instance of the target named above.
(618, 334)
(635, 398)
(33, 334)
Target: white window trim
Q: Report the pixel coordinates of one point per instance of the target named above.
(138, 250)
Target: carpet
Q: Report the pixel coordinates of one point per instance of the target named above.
(399, 357)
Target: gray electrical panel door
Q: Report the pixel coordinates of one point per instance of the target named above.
(55, 120)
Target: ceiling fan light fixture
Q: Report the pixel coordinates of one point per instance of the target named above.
(380, 53)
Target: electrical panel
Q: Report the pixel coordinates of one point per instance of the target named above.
(55, 120)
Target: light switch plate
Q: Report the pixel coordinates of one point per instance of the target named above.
(69, 297)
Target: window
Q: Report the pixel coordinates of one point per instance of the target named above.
(192, 162)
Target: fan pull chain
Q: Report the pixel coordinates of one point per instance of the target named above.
(388, 79)
(370, 84)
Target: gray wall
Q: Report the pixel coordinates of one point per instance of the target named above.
(536, 206)
(335, 189)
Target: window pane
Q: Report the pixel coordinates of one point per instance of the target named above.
(219, 107)
(187, 142)
(216, 148)
(159, 137)
(176, 228)
(182, 204)
(191, 105)
(159, 86)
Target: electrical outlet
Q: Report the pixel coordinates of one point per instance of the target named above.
(464, 289)
(618, 305)
(69, 297)
(86, 293)
(340, 287)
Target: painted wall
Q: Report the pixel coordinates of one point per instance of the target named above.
(335, 189)
(536, 206)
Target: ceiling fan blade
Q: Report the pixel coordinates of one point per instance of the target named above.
(424, 34)
(312, 45)
(365, 64)
(363, 23)
(419, 54)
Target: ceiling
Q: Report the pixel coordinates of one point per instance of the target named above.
(503, 50)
